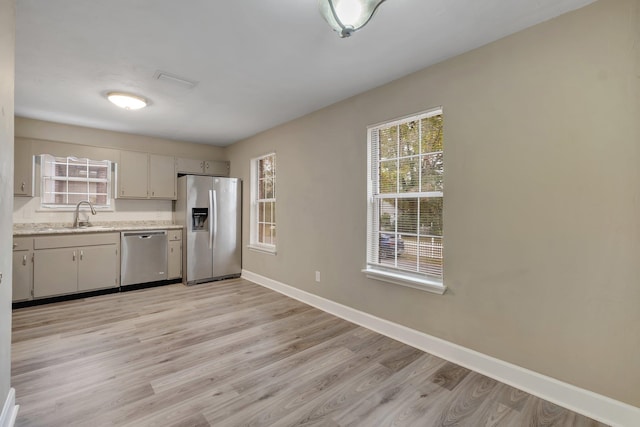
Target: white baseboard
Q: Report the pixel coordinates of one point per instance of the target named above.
(9, 410)
(585, 402)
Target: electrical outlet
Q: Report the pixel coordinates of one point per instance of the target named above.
(317, 276)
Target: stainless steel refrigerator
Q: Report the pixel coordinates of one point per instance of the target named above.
(209, 209)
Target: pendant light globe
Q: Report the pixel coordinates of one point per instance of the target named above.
(348, 16)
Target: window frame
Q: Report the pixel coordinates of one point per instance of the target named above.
(374, 269)
(254, 226)
(68, 161)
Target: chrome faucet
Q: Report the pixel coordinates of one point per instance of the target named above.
(76, 222)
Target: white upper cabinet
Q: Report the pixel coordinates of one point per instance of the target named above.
(190, 165)
(133, 175)
(23, 168)
(203, 167)
(162, 177)
(146, 176)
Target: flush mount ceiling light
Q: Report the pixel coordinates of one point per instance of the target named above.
(348, 16)
(126, 100)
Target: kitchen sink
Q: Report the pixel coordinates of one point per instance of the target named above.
(92, 228)
(80, 229)
(95, 227)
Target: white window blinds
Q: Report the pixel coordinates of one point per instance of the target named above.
(406, 167)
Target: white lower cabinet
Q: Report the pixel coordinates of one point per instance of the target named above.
(98, 267)
(174, 264)
(55, 272)
(49, 266)
(75, 263)
(22, 269)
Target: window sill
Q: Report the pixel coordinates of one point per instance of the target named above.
(269, 250)
(422, 284)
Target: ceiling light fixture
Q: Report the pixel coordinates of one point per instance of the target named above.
(127, 101)
(348, 16)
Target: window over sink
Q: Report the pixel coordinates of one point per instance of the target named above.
(65, 181)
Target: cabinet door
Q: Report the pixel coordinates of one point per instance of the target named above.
(190, 165)
(55, 272)
(23, 168)
(216, 168)
(174, 268)
(22, 275)
(97, 267)
(133, 175)
(162, 177)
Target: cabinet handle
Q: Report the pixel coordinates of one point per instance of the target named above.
(81, 255)
(74, 255)
(22, 186)
(24, 260)
(15, 245)
(171, 250)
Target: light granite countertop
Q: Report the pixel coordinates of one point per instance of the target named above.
(26, 229)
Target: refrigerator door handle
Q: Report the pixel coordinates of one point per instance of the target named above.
(215, 217)
(210, 222)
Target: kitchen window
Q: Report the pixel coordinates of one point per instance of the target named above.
(65, 181)
(263, 204)
(405, 201)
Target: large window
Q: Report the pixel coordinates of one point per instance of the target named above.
(404, 227)
(263, 199)
(68, 180)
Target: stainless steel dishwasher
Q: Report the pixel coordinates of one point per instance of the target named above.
(144, 256)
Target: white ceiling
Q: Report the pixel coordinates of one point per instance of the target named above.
(258, 63)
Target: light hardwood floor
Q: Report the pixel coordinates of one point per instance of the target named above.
(233, 353)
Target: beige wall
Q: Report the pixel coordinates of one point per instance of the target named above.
(49, 131)
(542, 202)
(7, 61)
(48, 134)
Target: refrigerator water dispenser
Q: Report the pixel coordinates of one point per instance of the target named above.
(199, 218)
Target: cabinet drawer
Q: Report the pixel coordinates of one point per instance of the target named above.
(22, 243)
(174, 235)
(71, 240)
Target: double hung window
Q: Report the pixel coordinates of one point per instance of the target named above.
(263, 200)
(405, 186)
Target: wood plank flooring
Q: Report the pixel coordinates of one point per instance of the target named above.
(233, 353)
